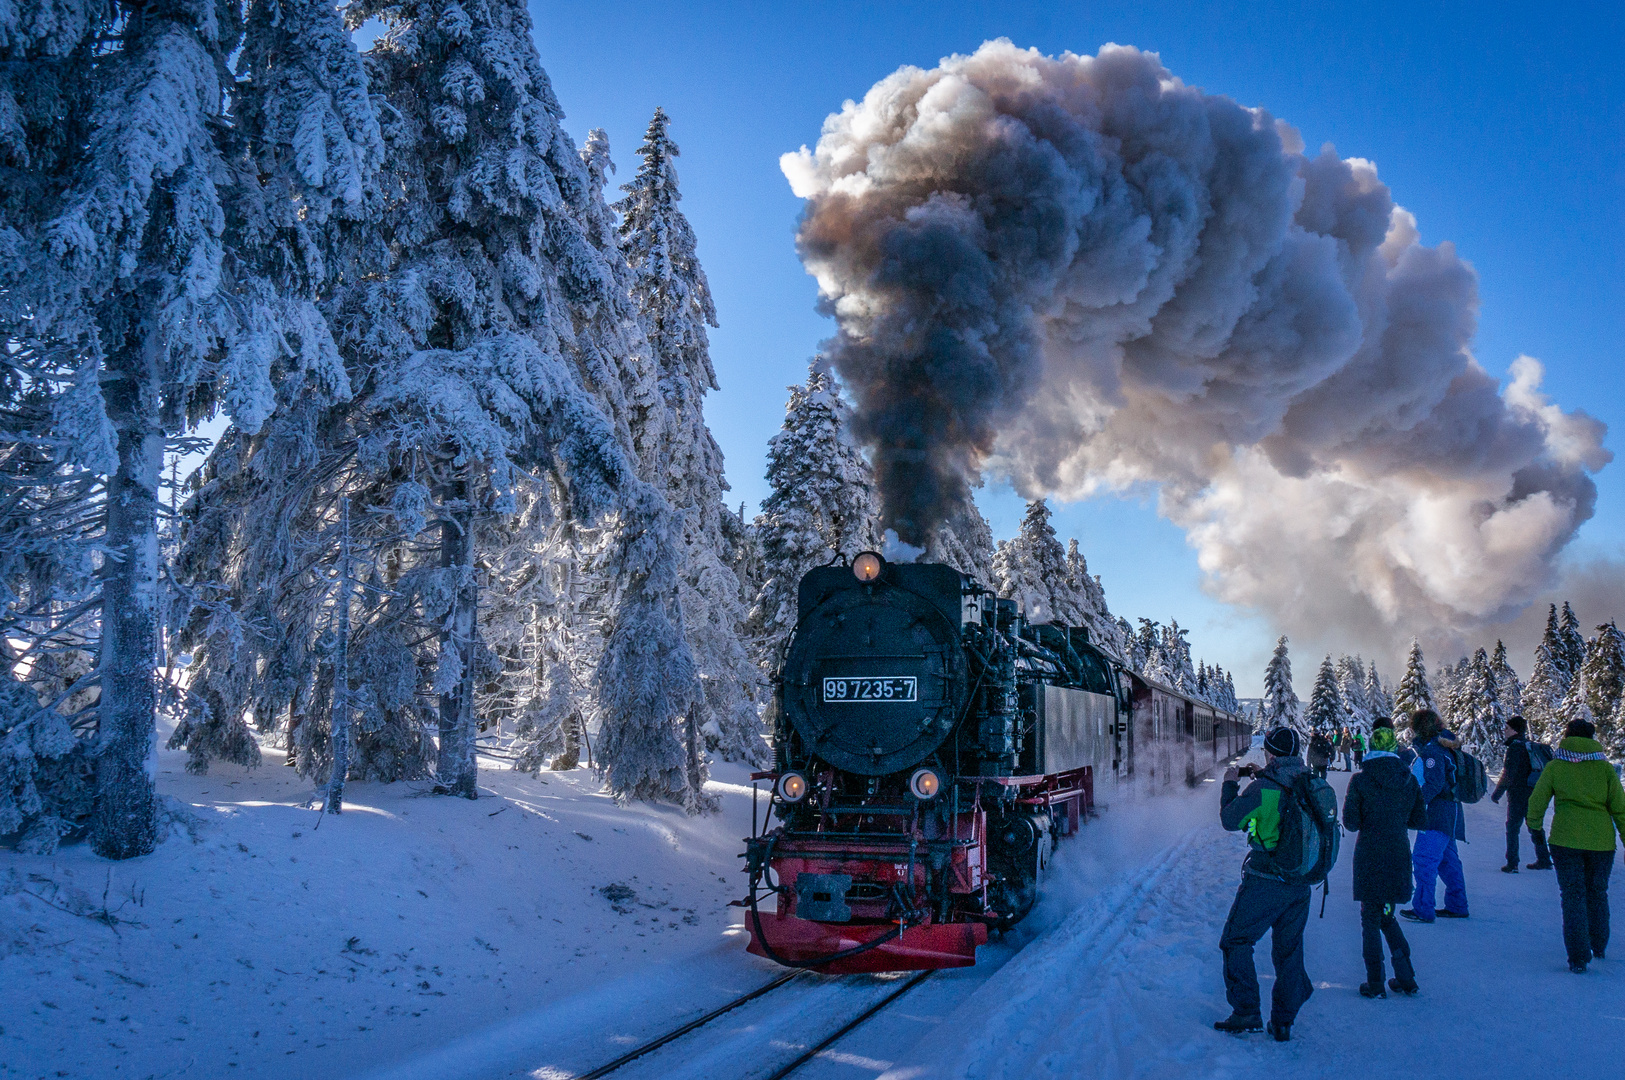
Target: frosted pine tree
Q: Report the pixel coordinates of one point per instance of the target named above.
(1413, 692)
(1325, 711)
(1508, 687)
(1351, 683)
(1572, 640)
(1476, 714)
(1280, 703)
(1031, 567)
(964, 542)
(1602, 678)
(1089, 598)
(821, 506)
(138, 254)
(1377, 698)
(685, 463)
(1542, 699)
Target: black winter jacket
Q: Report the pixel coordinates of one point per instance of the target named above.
(1514, 772)
(1383, 801)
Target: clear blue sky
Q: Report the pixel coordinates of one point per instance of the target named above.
(1501, 127)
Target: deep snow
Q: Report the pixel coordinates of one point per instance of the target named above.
(434, 938)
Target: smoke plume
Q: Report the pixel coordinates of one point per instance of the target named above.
(1080, 273)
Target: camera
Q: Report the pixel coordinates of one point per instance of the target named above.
(1247, 770)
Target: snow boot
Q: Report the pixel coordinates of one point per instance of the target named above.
(1539, 866)
(1280, 1032)
(1578, 969)
(1373, 989)
(1410, 914)
(1510, 868)
(1407, 987)
(1446, 913)
(1238, 1024)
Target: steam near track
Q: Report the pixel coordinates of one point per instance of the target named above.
(1082, 273)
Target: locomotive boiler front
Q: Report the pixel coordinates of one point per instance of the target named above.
(876, 676)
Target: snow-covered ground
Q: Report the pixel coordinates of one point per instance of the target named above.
(278, 943)
(428, 937)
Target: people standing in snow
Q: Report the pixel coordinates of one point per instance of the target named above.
(1518, 777)
(1345, 749)
(1435, 855)
(1264, 903)
(1359, 749)
(1590, 810)
(1320, 754)
(1384, 800)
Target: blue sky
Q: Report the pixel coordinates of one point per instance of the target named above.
(1501, 127)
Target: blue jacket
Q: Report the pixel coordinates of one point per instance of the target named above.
(1435, 769)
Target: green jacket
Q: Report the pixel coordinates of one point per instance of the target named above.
(1588, 794)
(1257, 812)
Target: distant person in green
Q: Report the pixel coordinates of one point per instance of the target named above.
(1359, 749)
(1590, 810)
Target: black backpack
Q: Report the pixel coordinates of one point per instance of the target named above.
(1540, 756)
(1310, 833)
(1471, 779)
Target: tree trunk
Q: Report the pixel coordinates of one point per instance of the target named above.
(125, 820)
(340, 725)
(458, 769)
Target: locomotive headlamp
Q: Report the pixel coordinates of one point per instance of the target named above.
(792, 787)
(925, 783)
(867, 566)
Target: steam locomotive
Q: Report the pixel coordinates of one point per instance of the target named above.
(931, 748)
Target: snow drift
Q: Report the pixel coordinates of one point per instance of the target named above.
(1081, 273)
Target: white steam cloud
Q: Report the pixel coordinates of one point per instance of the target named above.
(1081, 273)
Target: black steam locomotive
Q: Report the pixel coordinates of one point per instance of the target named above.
(932, 746)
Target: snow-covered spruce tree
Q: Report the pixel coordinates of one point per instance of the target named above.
(1508, 687)
(821, 506)
(1089, 599)
(307, 135)
(1602, 678)
(684, 461)
(140, 256)
(1572, 640)
(1325, 711)
(964, 542)
(1476, 714)
(1030, 567)
(1351, 682)
(1280, 703)
(1413, 692)
(1377, 699)
(1542, 699)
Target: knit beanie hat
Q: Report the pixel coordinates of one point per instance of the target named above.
(1383, 721)
(1282, 742)
(1383, 739)
(1518, 724)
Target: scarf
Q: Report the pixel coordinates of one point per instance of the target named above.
(1574, 755)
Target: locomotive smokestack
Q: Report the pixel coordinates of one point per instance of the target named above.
(1079, 272)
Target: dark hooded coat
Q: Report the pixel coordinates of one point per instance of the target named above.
(1383, 801)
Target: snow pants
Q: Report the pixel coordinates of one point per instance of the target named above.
(1262, 906)
(1517, 812)
(1433, 857)
(1376, 923)
(1583, 878)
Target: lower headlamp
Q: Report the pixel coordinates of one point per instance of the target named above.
(925, 783)
(791, 787)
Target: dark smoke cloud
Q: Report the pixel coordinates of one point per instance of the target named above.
(1080, 273)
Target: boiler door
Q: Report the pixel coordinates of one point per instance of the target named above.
(874, 680)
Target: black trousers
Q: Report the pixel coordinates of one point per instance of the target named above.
(1377, 922)
(1517, 815)
(1583, 878)
(1281, 910)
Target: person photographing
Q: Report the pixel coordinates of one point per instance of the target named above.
(1265, 902)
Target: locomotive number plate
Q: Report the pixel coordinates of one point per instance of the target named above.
(883, 689)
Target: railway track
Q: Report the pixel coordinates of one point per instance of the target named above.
(805, 1058)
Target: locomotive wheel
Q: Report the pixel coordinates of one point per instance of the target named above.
(1014, 892)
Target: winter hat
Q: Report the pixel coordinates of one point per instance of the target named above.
(1282, 742)
(1383, 738)
(1577, 729)
(1382, 722)
(1518, 724)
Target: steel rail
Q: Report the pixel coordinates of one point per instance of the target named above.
(851, 1025)
(677, 1033)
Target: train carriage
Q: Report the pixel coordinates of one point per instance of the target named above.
(931, 748)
